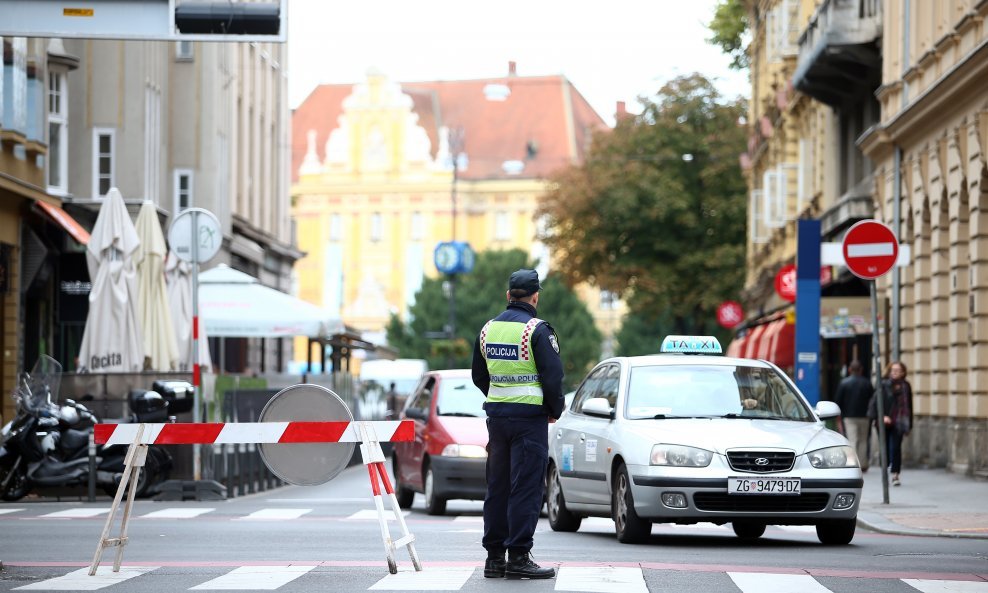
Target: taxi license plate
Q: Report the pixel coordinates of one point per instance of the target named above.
(763, 485)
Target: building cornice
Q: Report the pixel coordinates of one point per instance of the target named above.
(243, 227)
(930, 107)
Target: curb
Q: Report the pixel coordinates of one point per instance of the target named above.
(888, 527)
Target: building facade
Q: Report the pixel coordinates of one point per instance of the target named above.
(181, 124)
(386, 170)
(929, 151)
(33, 227)
(877, 111)
(190, 124)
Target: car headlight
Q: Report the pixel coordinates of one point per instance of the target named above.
(680, 456)
(474, 451)
(831, 457)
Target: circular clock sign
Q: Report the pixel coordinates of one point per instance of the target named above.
(454, 257)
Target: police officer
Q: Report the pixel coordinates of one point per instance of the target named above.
(516, 364)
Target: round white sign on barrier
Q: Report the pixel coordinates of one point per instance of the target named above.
(306, 464)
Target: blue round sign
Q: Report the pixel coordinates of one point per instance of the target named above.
(454, 257)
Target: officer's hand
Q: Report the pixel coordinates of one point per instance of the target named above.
(552, 420)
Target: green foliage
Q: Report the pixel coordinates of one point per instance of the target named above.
(480, 296)
(642, 334)
(657, 212)
(728, 29)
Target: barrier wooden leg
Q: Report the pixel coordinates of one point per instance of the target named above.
(133, 462)
(373, 457)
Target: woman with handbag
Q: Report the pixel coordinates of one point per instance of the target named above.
(897, 400)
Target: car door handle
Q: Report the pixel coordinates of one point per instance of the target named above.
(583, 437)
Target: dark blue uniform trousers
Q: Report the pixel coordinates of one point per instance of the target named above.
(517, 456)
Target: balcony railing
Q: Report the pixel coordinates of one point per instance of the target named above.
(839, 59)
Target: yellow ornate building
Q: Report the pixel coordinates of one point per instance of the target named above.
(869, 109)
(376, 187)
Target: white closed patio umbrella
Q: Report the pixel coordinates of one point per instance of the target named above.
(160, 345)
(112, 340)
(178, 277)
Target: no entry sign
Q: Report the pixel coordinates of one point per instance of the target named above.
(870, 249)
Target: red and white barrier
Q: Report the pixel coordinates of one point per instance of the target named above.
(207, 433)
(370, 435)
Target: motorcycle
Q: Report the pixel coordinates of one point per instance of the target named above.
(46, 445)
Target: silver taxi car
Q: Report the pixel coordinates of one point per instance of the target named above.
(688, 436)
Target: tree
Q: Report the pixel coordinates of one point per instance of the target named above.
(480, 297)
(728, 29)
(641, 334)
(657, 212)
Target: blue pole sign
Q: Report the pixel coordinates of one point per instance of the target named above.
(808, 309)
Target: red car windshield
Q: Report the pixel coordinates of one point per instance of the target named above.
(459, 397)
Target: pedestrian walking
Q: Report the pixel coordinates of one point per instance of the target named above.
(392, 400)
(897, 401)
(516, 364)
(853, 396)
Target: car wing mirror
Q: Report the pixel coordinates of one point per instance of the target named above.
(598, 406)
(417, 413)
(827, 409)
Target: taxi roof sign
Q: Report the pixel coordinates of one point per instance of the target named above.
(690, 345)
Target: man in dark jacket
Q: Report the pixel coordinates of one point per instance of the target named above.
(516, 364)
(853, 395)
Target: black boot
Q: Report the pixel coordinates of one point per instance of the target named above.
(494, 566)
(521, 566)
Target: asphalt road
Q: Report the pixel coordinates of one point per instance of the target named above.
(327, 538)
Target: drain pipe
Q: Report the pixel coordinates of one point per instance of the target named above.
(896, 226)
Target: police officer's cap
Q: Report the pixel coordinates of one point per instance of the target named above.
(527, 280)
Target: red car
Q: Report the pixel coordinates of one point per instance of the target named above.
(448, 457)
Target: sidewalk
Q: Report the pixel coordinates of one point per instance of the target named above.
(932, 502)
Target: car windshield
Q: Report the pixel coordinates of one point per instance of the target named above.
(712, 391)
(458, 396)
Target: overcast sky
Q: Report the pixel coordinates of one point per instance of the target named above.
(611, 51)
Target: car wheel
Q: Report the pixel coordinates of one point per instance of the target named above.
(560, 518)
(404, 495)
(836, 532)
(434, 505)
(748, 529)
(630, 528)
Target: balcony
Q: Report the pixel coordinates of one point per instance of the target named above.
(857, 204)
(839, 56)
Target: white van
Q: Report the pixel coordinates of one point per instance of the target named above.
(376, 377)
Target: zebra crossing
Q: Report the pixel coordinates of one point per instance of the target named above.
(185, 512)
(466, 523)
(587, 579)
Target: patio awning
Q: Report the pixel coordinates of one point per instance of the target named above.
(236, 305)
(65, 220)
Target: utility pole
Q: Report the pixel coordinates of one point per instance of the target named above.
(455, 149)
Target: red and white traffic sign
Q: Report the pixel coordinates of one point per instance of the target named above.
(785, 283)
(730, 314)
(870, 249)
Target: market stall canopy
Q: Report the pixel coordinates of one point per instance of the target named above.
(236, 305)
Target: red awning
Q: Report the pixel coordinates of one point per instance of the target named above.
(768, 339)
(62, 218)
(736, 347)
(783, 346)
(754, 339)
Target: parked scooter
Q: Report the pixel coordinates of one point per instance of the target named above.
(46, 445)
